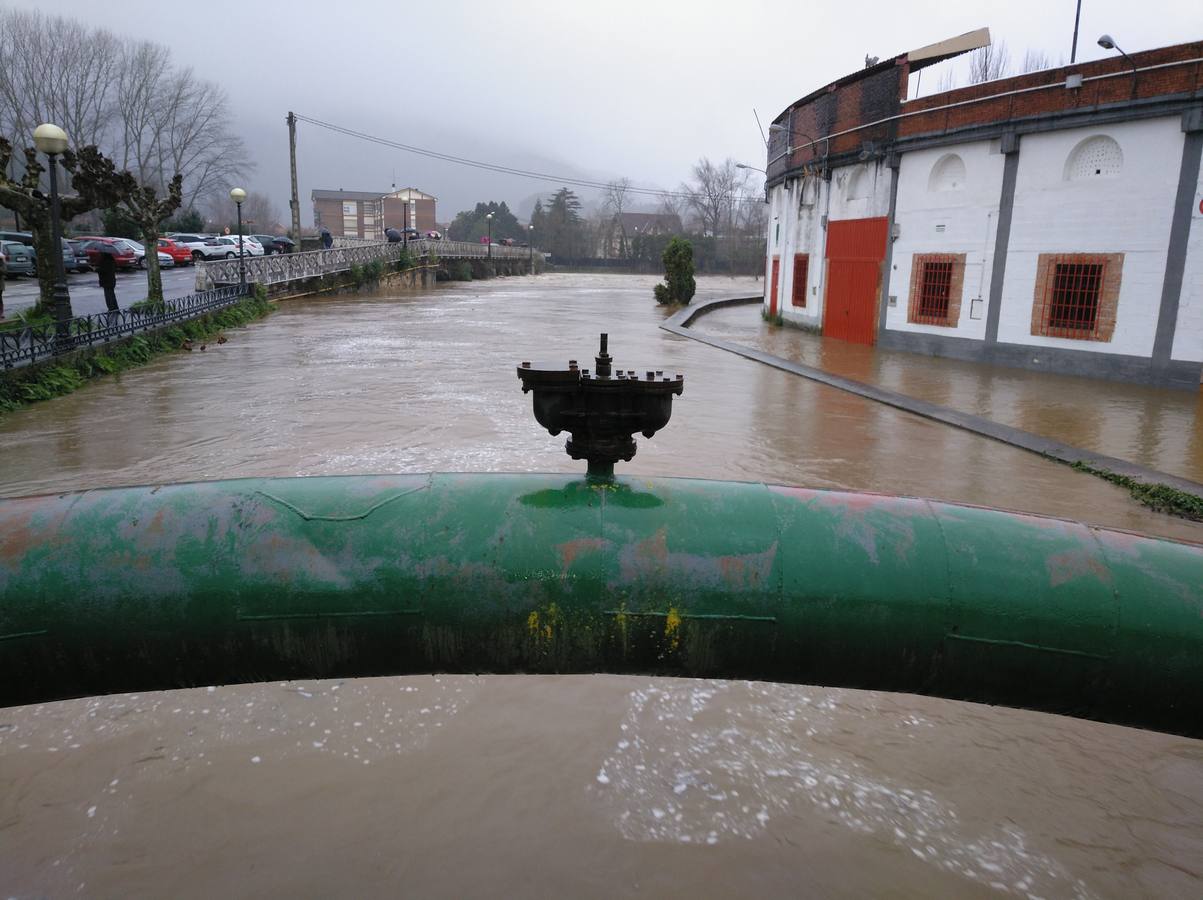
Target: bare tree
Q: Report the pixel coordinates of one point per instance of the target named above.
(614, 202)
(1035, 60)
(713, 192)
(197, 141)
(56, 69)
(673, 204)
(989, 63)
(260, 211)
(125, 96)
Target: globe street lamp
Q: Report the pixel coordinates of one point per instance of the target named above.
(52, 141)
(531, 243)
(238, 195)
(489, 245)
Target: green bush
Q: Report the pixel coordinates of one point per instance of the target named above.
(678, 286)
(461, 271)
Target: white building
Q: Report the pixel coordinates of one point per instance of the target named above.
(1051, 221)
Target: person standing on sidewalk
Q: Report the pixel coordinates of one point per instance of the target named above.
(106, 273)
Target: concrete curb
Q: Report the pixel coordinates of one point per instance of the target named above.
(1025, 440)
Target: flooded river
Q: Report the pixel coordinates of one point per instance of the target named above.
(558, 786)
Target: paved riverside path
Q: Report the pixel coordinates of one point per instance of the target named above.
(679, 324)
(86, 296)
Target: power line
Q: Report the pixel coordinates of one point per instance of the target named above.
(510, 170)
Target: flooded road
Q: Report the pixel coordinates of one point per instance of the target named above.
(1158, 428)
(558, 786)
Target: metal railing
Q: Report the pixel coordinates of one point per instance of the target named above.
(35, 342)
(283, 267)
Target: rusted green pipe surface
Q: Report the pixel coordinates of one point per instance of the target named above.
(255, 579)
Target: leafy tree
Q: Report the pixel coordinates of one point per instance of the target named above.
(562, 229)
(187, 221)
(471, 225)
(97, 185)
(118, 223)
(679, 286)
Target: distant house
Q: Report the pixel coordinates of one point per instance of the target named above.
(365, 214)
(625, 227)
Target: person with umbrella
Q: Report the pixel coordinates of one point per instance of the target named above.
(106, 273)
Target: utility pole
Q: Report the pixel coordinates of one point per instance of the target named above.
(295, 203)
(1073, 50)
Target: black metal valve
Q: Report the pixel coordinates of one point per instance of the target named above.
(601, 410)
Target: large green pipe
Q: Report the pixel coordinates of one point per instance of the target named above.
(157, 587)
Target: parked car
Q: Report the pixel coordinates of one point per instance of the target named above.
(202, 246)
(179, 254)
(165, 259)
(122, 255)
(21, 237)
(230, 245)
(74, 258)
(18, 258)
(136, 248)
(273, 244)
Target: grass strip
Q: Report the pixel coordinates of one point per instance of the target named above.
(1157, 496)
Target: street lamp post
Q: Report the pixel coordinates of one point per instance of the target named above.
(753, 168)
(489, 245)
(238, 195)
(52, 141)
(531, 243)
(1107, 42)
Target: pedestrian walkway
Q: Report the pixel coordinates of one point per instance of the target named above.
(1150, 434)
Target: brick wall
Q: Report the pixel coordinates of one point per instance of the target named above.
(1056, 97)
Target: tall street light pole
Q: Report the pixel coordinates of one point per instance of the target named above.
(531, 242)
(489, 245)
(52, 141)
(238, 195)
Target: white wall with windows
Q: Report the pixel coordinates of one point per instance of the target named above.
(947, 203)
(1100, 190)
(1188, 339)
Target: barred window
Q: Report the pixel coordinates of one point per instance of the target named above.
(801, 274)
(936, 284)
(1076, 295)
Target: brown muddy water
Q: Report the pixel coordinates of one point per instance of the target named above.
(558, 786)
(1158, 428)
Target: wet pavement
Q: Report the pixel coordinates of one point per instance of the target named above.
(87, 297)
(1154, 427)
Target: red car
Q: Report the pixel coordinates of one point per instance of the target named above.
(94, 247)
(179, 254)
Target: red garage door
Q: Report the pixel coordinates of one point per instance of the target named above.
(855, 251)
(773, 287)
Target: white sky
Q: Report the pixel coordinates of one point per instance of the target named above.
(620, 88)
